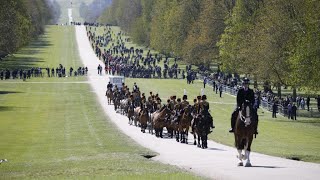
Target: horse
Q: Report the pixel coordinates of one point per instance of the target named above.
(201, 129)
(171, 124)
(246, 123)
(130, 115)
(185, 123)
(144, 119)
(109, 95)
(124, 106)
(158, 120)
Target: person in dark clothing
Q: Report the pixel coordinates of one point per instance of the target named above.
(308, 103)
(318, 102)
(294, 112)
(274, 110)
(289, 110)
(244, 94)
(109, 86)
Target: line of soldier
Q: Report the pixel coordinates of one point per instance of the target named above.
(154, 102)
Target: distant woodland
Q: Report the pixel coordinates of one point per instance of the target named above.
(271, 40)
(22, 20)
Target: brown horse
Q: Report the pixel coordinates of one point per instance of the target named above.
(144, 119)
(185, 123)
(109, 95)
(158, 120)
(245, 126)
(130, 115)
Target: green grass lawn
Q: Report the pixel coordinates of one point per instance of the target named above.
(59, 131)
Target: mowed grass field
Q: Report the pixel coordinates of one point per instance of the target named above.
(53, 128)
(277, 136)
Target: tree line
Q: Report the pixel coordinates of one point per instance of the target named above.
(22, 20)
(275, 41)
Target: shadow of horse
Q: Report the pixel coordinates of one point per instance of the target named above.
(245, 126)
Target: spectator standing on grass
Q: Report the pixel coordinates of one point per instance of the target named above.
(217, 88)
(308, 102)
(204, 82)
(289, 110)
(318, 102)
(302, 103)
(274, 110)
(220, 90)
(294, 112)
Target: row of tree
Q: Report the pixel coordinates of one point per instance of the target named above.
(22, 20)
(274, 40)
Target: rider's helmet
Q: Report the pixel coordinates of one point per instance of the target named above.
(246, 81)
(185, 97)
(204, 97)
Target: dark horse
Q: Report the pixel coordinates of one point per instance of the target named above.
(245, 126)
(201, 125)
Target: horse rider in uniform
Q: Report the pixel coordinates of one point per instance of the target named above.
(184, 102)
(244, 94)
(158, 103)
(178, 109)
(196, 107)
(109, 86)
(131, 102)
(150, 97)
(173, 102)
(204, 109)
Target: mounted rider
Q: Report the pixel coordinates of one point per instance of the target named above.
(184, 102)
(173, 102)
(109, 86)
(204, 110)
(244, 94)
(178, 109)
(196, 107)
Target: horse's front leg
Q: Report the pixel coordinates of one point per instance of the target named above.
(240, 156)
(247, 151)
(247, 155)
(199, 139)
(186, 135)
(194, 138)
(161, 129)
(177, 136)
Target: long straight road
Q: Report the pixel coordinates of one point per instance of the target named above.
(216, 162)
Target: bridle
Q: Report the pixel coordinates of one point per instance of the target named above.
(246, 119)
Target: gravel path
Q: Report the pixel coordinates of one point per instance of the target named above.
(216, 162)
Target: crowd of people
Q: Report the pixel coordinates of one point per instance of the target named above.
(130, 62)
(126, 61)
(59, 71)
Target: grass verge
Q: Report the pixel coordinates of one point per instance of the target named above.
(59, 131)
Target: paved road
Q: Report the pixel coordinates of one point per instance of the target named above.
(216, 162)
